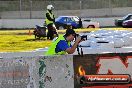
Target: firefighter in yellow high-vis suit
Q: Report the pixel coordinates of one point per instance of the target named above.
(50, 19)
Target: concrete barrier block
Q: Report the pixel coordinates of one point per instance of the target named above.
(55, 72)
(37, 72)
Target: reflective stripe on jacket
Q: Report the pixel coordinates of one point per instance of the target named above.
(51, 50)
(48, 21)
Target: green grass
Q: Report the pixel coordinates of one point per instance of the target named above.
(15, 43)
(20, 40)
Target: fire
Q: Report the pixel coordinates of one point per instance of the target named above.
(81, 71)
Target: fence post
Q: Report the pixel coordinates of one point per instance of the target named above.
(20, 7)
(110, 7)
(80, 7)
(30, 9)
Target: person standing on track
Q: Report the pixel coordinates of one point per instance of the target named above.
(50, 19)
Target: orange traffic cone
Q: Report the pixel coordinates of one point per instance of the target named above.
(29, 33)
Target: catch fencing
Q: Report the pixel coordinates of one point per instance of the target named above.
(36, 8)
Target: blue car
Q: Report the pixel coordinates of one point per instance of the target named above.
(62, 21)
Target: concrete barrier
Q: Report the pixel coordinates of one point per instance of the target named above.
(102, 12)
(62, 71)
(30, 23)
(20, 23)
(37, 72)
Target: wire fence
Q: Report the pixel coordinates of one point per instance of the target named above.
(30, 8)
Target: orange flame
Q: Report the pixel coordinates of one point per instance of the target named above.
(81, 71)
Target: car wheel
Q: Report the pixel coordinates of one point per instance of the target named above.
(61, 28)
(91, 26)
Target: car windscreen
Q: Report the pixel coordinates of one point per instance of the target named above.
(125, 17)
(58, 19)
(75, 19)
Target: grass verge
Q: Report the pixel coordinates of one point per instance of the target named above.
(20, 40)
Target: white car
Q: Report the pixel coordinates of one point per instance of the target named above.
(90, 24)
(62, 21)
